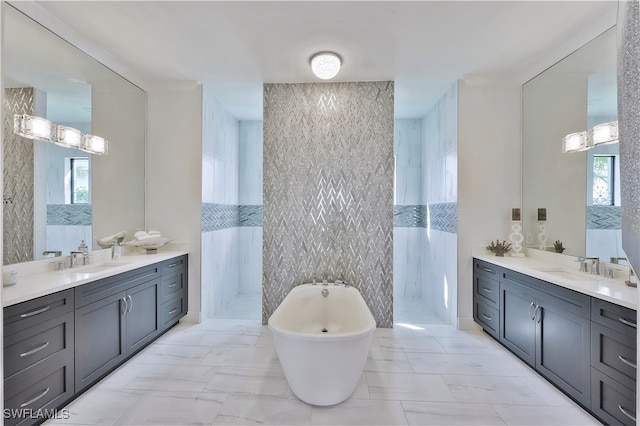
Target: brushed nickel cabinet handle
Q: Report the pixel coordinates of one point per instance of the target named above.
(172, 265)
(486, 290)
(123, 301)
(535, 314)
(36, 312)
(34, 399)
(33, 351)
(484, 268)
(626, 413)
(530, 314)
(173, 285)
(488, 318)
(626, 361)
(626, 322)
(173, 311)
(130, 304)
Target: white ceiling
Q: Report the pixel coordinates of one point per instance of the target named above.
(235, 46)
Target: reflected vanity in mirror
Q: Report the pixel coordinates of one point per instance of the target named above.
(54, 197)
(579, 190)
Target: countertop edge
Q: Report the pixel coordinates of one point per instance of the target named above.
(515, 264)
(37, 285)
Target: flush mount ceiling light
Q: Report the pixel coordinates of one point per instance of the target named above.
(325, 65)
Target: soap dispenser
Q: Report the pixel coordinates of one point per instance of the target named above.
(116, 250)
(83, 247)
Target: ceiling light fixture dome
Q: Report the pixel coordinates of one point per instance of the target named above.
(325, 65)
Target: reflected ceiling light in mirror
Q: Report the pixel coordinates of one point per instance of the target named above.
(68, 137)
(575, 142)
(31, 127)
(95, 145)
(325, 65)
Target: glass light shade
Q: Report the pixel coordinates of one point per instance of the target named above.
(95, 145)
(605, 133)
(325, 65)
(31, 127)
(575, 142)
(68, 137)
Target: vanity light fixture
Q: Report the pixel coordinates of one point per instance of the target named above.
(600, 134)
(325, 65)
(32, 127)
(68, 137)
(94, 145)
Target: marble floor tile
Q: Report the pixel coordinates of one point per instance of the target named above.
(471, 344)
(260, 381)
(391, 361)
(251, 356)
(99, 406)
(504, 364)
(208, 338)
(360, 412)
(451, 413)
(547, 391)
(441, 330)
(408, 387)
(565, 416)
(171, 354)
(174, 408)
(465, 364)
(409, 344)
(360, 392)
(188, 378)
(492, 390)
(264, 410)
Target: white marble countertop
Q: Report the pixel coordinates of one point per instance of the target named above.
(31, 286)
(566, 274)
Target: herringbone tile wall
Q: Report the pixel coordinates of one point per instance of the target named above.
(328, 190)
(18, 180)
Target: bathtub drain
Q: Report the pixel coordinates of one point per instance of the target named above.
(324, 330)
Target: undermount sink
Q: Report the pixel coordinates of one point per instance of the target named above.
(99, 267)
(565, 273)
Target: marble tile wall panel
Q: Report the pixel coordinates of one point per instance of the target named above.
(18, 177)
(250, 259)
(604, 217)
(69, 214)
(250, 163)
(604, 243)
(220, 269)
(219, 216)
(408, 155)
(66, 237)
(328, 189)
(407, 262)
(443, 217)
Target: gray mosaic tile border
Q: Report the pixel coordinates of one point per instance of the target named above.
(69, 214)
(251, 215)
(224, 216)
(410, 216)
(444, 217)
(604, 217)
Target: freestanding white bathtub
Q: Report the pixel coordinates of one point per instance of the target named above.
(322, 342)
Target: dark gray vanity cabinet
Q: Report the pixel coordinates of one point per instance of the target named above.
(38, 356)
(486, 297)
(172, 304)
(122, 321)
(613, 362)
(583, 345)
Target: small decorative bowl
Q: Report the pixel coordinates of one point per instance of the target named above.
(151, 245)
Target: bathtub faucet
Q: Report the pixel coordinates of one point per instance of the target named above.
(341, 282)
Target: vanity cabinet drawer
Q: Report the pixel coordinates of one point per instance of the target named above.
(614, 316)
(487, 317)
(50, 388)
(611, 401)
(44, 342)
(27, 314)
(171, 311)
(171, 285)
(101, 289)
(485, 268)
(487, 288)
(172, 265)
(614, 354)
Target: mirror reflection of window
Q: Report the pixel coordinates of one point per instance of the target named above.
(79, 182)
(603, 180)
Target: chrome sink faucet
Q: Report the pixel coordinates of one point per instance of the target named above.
(595, 265)
(583, 264)
(73, 258)
(55, 253)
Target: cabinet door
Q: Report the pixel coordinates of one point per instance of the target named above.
(563, 349)
(142, 315)
(517, 328)
(100, 338)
